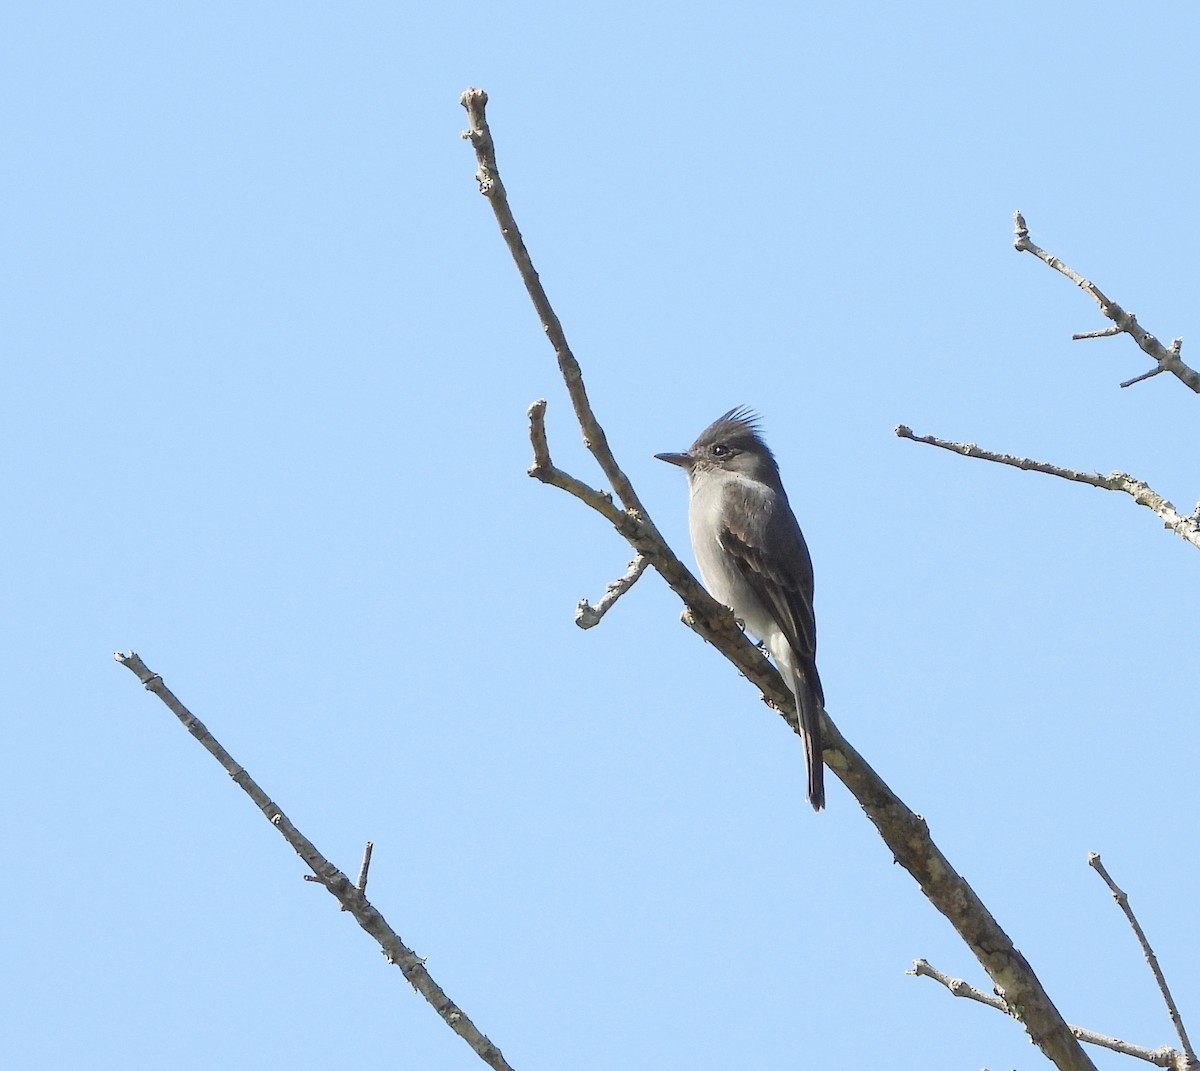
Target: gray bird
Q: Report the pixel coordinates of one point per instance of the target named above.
(753, 558)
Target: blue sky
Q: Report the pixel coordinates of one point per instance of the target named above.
(263, 421)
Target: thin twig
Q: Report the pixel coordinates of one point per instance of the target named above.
(922, 968)
(324, 872)
(1122, 900)
(1160, 1057)
(1167, 358)
(361, 884)
(587, 615)
(1187, 528)
(1145, 375)
(905, 833)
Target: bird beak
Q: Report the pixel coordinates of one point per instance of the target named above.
(684, 461)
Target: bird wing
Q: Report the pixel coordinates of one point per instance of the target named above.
(778, 568)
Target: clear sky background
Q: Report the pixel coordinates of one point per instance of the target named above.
(266, 368)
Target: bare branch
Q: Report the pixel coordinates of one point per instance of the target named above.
(1167, 358)
(1187, 528)
(1161, 1057)
(324, 872)
(1122, 900)
(905, 833)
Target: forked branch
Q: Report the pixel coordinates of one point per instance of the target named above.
(1166, 358)
(904, 832)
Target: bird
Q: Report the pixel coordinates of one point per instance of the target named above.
(753, 558)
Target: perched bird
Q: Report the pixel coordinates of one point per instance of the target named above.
(753, 558)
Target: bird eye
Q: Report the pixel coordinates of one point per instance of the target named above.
(720, 450)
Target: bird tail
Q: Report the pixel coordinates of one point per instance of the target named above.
(808, 708)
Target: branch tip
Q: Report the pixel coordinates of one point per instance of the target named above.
(1020, 231)
(473, 98)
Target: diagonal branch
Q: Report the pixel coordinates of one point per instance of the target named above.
(1165, 357)
(324, 872)
(1187, 528)
(1122, 899)
(905, 833)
